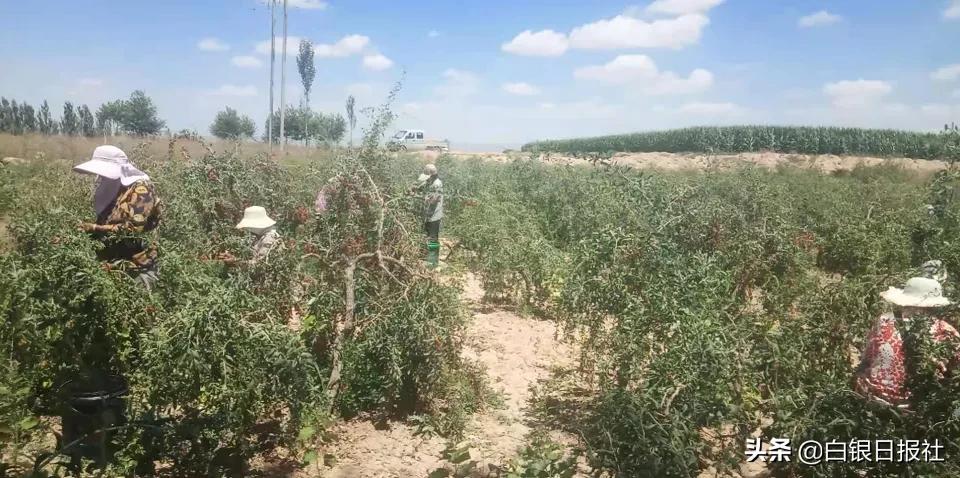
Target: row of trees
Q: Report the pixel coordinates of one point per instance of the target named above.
(136, 115)
(303, 124)
(300, 124)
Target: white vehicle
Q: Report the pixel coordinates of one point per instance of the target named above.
(414, 140)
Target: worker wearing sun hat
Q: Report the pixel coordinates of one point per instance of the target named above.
(127, 215)
(257, 222)
(429, 184)
(882, 374)
(127, 209)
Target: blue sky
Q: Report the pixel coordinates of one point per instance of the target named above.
(504, 72)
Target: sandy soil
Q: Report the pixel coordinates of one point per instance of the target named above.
(517, 352)
(701, 162)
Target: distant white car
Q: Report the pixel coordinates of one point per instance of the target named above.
(414, 140)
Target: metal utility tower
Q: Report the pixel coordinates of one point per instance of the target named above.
(283, 81)
(273, 43)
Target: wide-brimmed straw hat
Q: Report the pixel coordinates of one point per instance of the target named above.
(255, 217)
(112, 163)
(428, 170)
(918, 292)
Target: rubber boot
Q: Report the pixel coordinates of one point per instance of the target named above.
(433, 254)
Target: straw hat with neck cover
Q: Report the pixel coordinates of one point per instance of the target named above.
(114, 171)
(429, 171)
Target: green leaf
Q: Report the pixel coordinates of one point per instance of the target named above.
(439, 473)
(459, 456)
(306, 433)
(465, 470)
(28, 423)
(310, 457)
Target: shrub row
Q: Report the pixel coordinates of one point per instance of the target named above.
(744, 139)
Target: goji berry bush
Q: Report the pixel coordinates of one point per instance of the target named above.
(343, 319)
(713, 307)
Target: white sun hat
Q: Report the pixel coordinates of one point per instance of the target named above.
(111, 162)
(918, 292)
(255, 217)
(428, 170)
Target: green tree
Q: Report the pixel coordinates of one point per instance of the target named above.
(69, 123)
(44, 120)
(109, 117)
(6, 117)
(230, 125)
(28, 118)
(308, 71)
(330, 128)
(299, 121)
(16, 122)
(88, 126)
(351, 116)
(138, 115)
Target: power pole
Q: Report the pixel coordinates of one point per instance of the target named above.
(273, 43)
(283, 81)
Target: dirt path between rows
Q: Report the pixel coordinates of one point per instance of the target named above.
(516, 351)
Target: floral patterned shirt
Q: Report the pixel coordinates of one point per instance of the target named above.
(127, 226)
(265, 244)
(881, 375)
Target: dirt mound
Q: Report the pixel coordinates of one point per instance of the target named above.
(701, 162)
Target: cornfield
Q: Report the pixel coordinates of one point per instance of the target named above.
(743, 139)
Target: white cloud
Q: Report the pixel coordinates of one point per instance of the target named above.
(214, 44)
(947, 73)
(857, 93)
(433, 34)
(819, 19)
(520, 89)
(710, 109)
(234, 90)
(574, 111)
(412, 106)
(360, 90)
(304, 4)
(246, 61)
(682, 7)
(293, 43)
(936, 109)
(90, 82)
(939, 113)
(542, 43)
(642, 72)
(953, 10)
(458, 84)
(628, 32)
(635, 11)
(625, 31)
(346, 46)
(377, 62)
(956, 93)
